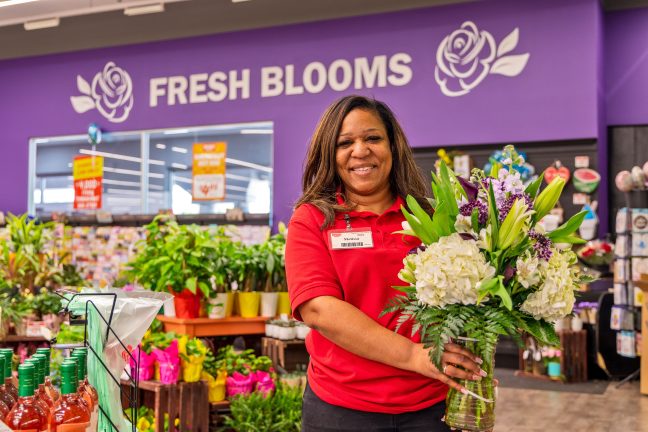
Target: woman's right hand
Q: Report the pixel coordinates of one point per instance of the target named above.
(458, 363)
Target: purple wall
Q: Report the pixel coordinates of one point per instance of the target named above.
(626, 67)
(554, 97)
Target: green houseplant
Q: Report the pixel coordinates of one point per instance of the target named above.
(177, 258)
(280, 412)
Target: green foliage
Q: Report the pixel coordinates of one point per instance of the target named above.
(69, 276)
(69, 334)
(232, 361)
(47, 303)
(160, 340)
(279, 412)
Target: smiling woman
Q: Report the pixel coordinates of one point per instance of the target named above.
(341, 263)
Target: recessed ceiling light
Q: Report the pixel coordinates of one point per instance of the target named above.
(179, 149)
(144, 9)
(239, 1)
(160, 146)
(176, 131)
(42, 24)
(256, 131)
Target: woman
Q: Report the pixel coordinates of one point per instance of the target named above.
(341, 263)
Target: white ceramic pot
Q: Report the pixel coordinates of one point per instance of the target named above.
(287, 332)
(169, 307)
(302, 331)
(269, 304)
(588, 229)
(218, 306)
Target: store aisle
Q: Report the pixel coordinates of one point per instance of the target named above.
(617, 410)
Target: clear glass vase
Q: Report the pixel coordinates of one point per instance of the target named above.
(476, 412)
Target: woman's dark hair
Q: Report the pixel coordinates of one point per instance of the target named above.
(321, 181)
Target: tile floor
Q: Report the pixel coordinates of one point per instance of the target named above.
(617, 410)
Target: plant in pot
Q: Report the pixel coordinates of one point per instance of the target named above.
(275, 273)
(23, 261)
(249, 270)
(48, 305)
(16, 310)
(221, 300)
(176, 258)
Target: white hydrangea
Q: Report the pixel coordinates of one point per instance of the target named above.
(447, 272)
(554, 298)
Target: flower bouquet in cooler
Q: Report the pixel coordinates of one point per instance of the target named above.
(486, 268)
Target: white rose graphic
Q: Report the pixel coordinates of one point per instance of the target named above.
(466, 56)
(111, 93)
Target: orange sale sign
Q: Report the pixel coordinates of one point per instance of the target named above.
(87, 172)
(209, 171)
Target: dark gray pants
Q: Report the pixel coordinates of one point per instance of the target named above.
(319, 416)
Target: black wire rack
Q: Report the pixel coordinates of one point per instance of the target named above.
(129, 390)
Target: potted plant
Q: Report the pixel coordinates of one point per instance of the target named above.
(176, 258)
(248, 267)
(23, 262)
(16, 311)
(221, 300)
(283, 301)
(273, 251)
(48, 305)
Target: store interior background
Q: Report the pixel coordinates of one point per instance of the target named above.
(583, 93)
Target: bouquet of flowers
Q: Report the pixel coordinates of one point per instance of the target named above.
(596, 253)
(486, 268)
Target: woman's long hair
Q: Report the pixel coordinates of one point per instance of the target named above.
(321, 181)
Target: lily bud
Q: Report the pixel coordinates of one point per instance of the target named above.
(511, 229)
(548, 198)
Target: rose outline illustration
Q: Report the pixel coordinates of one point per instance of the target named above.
(111, 93)
(468, 55)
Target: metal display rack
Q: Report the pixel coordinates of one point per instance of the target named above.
(128, 388)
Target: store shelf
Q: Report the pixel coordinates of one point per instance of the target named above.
(199, 327)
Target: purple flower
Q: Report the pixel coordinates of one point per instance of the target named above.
(541, 244)
(470, 189)
(467, 209)
(509, 272)
(507, 203)
(415, 250)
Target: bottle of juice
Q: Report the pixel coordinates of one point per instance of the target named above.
(8, 373)
(42, 370)
(70, 413)
(38, 400)
(82, 355)
(5, 397)
(26, 416)
(49, 387)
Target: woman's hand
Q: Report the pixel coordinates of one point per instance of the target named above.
(458, 363)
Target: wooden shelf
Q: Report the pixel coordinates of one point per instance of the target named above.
(198, 327)
(16, 339)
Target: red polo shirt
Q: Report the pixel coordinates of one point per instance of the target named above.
(362, 277)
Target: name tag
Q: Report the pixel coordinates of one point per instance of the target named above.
(359, 238)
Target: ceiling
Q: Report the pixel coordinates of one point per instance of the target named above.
(87, 24)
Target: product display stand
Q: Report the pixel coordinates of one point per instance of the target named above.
(132, 387)
(628, 281)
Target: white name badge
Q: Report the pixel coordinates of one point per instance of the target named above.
(359, 238)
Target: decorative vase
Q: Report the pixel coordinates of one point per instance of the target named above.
(473, 412)
(269, 304)
(249, 304)
(283, 303)
(187, 304)
(553, 369)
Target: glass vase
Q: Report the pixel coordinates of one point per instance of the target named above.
(473, 412)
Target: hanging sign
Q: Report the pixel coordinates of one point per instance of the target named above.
(209, 171)
(87, 172)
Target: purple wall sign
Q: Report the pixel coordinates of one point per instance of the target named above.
(532, 77)
(626, 67)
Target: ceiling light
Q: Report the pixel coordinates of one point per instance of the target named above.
(14, 2)
(41, 24)
(248, 164)
(179, 149)
(119, 156)
(144, 9)
(179, 166)
(160, 146)
(176, 131)
(256, 131)
(239, 1)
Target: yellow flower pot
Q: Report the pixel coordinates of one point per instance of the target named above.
(249, 304)
(229, 306)
(283, 304)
